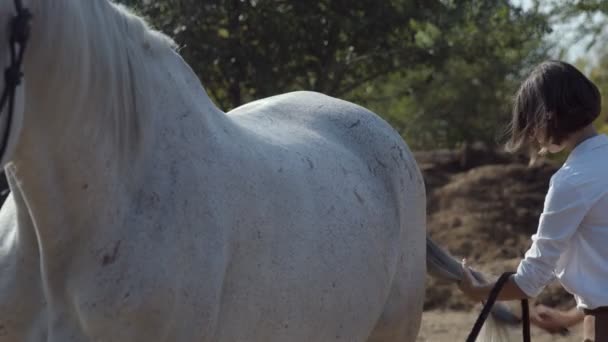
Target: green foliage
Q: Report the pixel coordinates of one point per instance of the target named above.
(464, 96)
(590, 17)
(572, 8)
(440, 71)
(599, 75)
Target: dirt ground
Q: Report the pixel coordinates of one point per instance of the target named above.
(452, 326)
(482, 205)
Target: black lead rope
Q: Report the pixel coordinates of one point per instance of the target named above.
(485, 312)
(19, 36)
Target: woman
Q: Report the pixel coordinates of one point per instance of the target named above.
(554, 110)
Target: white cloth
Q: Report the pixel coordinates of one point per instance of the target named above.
(571, 243)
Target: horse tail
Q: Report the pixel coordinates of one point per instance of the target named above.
(440, 264)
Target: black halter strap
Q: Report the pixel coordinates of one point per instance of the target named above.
(485, 312)
(19, 32)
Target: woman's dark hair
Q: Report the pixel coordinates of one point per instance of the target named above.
(555, 101)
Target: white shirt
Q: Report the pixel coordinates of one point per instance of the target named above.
(571, 243)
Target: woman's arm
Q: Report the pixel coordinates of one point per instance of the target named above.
(565, 208)
(469, 286)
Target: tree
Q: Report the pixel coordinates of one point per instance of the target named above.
(467, 96)
(443, 68)
(590, 16)
(599, 75)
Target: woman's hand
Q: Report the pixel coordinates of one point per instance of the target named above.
(479, 292)
(468, 285)
(553, 320)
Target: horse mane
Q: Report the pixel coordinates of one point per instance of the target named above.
(101, 48)
(136, 29)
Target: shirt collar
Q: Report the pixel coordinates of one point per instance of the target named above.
(588, 145)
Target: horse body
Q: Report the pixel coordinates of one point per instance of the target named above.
(338, 219)
(141, 212)
(278, 232)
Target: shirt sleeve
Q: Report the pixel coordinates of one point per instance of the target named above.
(563, 212)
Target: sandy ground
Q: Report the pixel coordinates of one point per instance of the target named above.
(454, 326)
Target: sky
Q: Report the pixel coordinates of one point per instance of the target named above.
(566, 38)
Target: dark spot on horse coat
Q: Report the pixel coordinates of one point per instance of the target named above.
(357, 123)
(380, 163)
(398, 148)
(184, 115)
(359, 198)
(310, 164)
(109, 259)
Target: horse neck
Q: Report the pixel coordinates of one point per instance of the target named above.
(95, 121)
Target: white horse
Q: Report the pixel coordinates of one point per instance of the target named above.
(141, 212)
